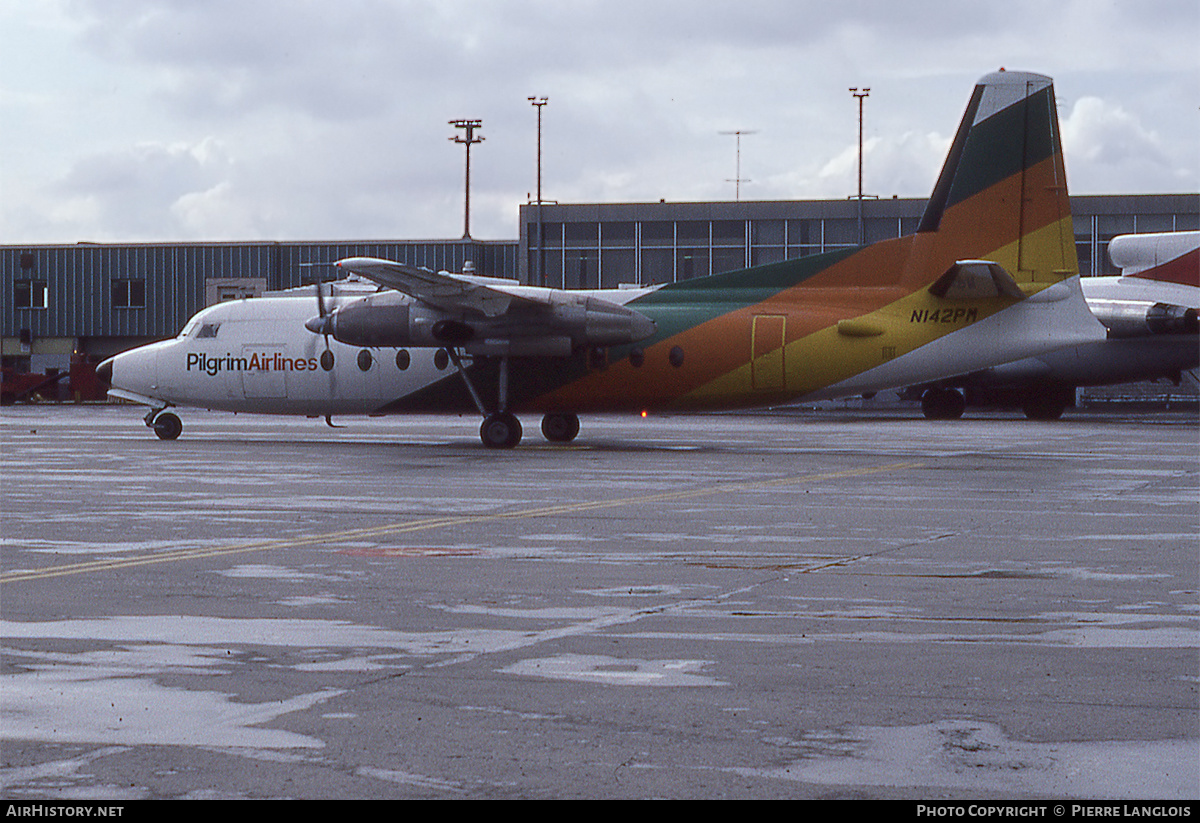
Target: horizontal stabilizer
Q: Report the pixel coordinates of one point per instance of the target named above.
(975, 279)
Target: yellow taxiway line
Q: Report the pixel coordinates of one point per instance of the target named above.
(428, 523)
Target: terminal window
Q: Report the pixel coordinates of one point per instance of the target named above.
(30, 294)
(129, 294)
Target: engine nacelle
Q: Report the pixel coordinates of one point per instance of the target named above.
(385, 320)
(1141, 318)
(1164, 318)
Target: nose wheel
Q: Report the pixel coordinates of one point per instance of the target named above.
(167, 426)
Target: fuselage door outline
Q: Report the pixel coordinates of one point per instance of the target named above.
(768, 369)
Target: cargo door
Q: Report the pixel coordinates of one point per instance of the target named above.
(766, 352)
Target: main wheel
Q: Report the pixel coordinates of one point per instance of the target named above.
(167, 426)
(500, 431)
(943, 404)
(560, 427)
(1047, 404)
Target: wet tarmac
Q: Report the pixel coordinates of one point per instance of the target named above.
(802, 605)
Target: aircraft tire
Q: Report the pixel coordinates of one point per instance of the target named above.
(500, 431)
(167, 426)
(1047, 406)
(943, 404)
(560, 427)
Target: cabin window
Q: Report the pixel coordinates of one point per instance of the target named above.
(364, 360)
(403, 360)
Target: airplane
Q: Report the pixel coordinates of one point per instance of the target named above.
(1150, 316)
(989, 277)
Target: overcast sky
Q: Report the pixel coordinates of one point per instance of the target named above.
(162, 120)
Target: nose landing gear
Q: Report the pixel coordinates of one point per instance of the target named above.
(167, 426)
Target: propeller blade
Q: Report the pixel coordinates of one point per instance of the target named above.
(320, 300)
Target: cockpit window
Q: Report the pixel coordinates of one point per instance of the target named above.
(208, 330)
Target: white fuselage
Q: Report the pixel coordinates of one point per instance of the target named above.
(255, 355)
(1130, 352)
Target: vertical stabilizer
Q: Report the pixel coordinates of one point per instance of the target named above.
(1002, 194)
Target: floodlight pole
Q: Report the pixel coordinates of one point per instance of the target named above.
(540, 275)
(860, 95)
(469, 127)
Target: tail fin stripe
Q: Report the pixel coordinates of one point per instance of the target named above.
(993, 155)
(936, 206)
(998, 137)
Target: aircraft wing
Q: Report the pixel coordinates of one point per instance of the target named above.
(484, 315)
(488, 296)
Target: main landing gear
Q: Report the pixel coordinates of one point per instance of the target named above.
(167, 426)
(501, 429)
(942, 404)
(560, 427)
(1048, 402)
(1039, 402)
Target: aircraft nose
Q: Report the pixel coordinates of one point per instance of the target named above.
(135, 370)
(104, 371)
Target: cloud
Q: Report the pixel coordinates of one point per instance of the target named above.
(330, 120)
(133, 192)
(1108, 147)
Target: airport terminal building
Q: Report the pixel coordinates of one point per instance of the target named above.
(83, 302)
(606, 245)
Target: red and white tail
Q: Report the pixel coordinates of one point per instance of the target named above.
(1169, 257)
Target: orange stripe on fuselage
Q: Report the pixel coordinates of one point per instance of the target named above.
(875, 277)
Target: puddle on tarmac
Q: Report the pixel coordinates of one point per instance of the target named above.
(587, 668)
(979, 757)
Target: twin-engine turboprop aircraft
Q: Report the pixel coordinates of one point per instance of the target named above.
(989, 277)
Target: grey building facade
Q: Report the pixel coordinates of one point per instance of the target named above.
(98, 299)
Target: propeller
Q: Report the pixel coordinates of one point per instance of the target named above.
(322, 324)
